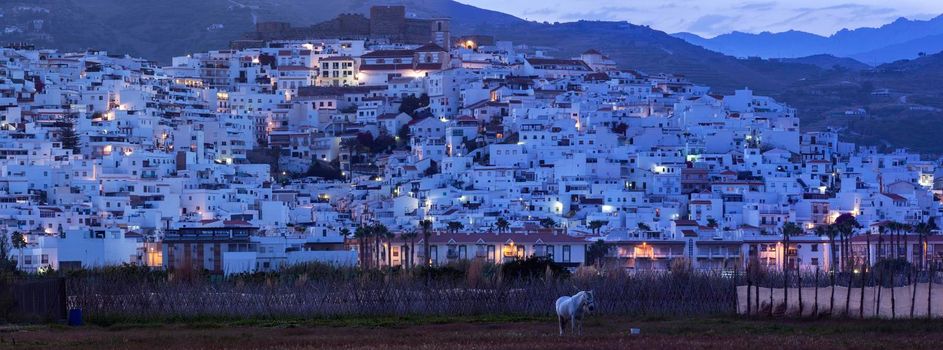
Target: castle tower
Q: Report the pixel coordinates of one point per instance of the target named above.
(441, 33)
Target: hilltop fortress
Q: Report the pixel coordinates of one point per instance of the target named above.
(385, 22)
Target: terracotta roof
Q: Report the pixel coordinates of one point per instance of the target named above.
(531, 237)
(430, 47)
(895, 197)
(389, 53)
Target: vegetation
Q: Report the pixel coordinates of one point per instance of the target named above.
(522, 288)
(481, 332)
(597, 251)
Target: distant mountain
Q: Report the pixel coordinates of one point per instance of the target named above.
(903, 51)
(789, 44)
(902, 39)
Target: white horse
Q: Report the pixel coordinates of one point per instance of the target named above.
(572, 309)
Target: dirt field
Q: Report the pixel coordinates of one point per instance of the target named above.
(609, 333)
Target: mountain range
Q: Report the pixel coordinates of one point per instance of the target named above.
(901, 39)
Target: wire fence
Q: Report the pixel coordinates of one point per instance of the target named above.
(884, 292)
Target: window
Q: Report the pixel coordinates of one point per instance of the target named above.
(566, 253)
(815, 247)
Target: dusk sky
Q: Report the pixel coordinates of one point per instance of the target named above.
(713, 17)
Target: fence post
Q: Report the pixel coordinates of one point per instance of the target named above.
(799, 280)
(862, 279)
(930, 291)
(815, 309)
(749, 288)
(769, 281)
(913, 298)
(831, 304)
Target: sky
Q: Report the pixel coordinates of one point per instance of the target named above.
(714, 17)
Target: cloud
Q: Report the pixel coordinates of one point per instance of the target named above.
(539, 12)
(607, 13)
(756, 6)
(711, 24)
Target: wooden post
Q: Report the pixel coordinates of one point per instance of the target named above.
(930, 291)
(799, 280)
(815, 309)
(861, 302)
(749, 288)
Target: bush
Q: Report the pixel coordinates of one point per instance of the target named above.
(533, 268)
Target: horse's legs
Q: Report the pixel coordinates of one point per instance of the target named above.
(562, 323)
(580, 328)
(573, 322)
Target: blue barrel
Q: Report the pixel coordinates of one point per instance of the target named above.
(75, 317)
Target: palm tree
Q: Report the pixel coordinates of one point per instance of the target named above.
(345, 232)
(410, 238)
(455, 226)
(502, 225)
(379, 232)
(923, 230)
(789, 229)
(830, 232)
(389, 235)
(548, 223)
(712, 223)
(846, 225)
(880, 262)
(596, 225)
(426, 226)
(19, 243)
(362, 233)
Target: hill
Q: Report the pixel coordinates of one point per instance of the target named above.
(829, 62)
(161, 29)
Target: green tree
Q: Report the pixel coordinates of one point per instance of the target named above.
(19, 243)
(596, 225)
(68, 137)
(7, 265)
(548, 223)
(712, 223)
(597, 251)
(455, 226)
(502, 225)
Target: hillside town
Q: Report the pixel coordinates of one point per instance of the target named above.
(381, 149)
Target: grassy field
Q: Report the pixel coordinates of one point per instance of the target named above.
(481, 333)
